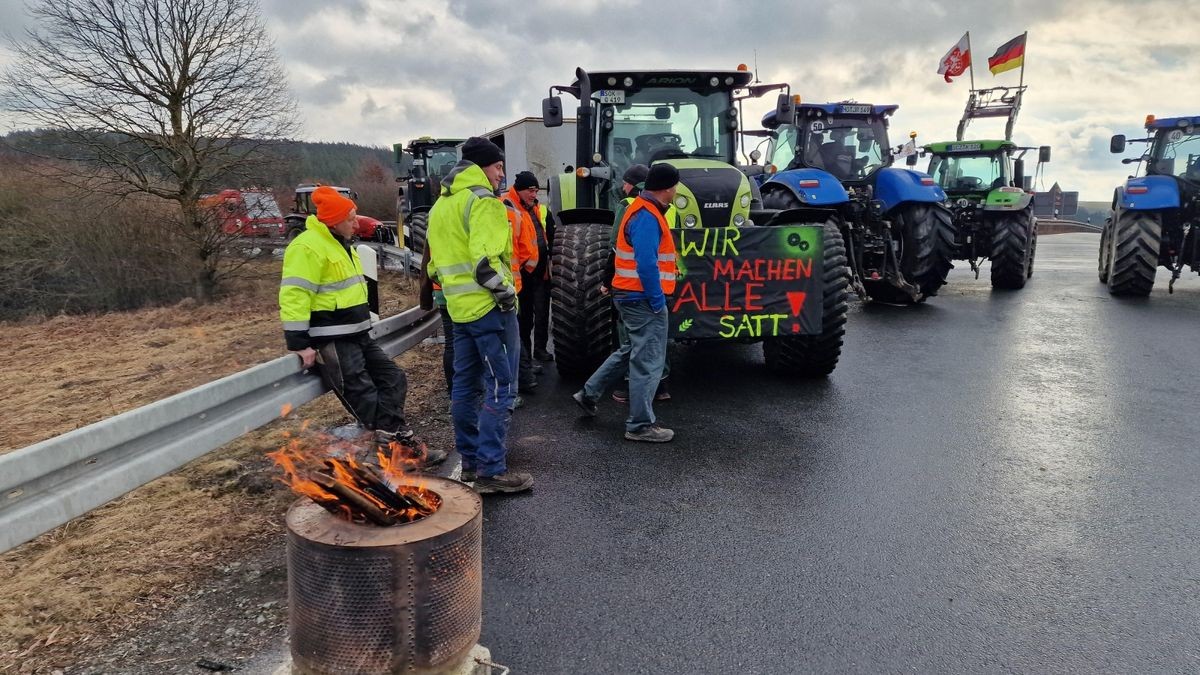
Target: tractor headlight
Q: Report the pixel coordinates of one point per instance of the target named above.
(628, 81)
(714, 81)
(689, 220)
(681, 202)
(745, 201)
(739, 220)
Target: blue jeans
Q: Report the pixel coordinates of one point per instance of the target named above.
(485, 381)
(642, 358)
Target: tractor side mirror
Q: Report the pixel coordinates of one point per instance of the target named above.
(1027, 184)
(552, 111)
(784, 109)
(1043, 154)
(1117, 144)
(1019, 172)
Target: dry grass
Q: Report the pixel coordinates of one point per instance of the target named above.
(71, 371)
(67, 592)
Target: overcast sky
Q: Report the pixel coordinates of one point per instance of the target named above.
(384, 71)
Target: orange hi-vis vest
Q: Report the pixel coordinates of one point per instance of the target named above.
(525, 251)
(626, 277)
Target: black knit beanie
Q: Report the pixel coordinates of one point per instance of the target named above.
(482, 152)
(525, 180)
(661, 177)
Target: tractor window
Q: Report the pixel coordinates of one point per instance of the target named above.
(440, 162)
(782, 149)
(966, 173)
(261, 205)
(1177, 153)
(850, 148)
(659, 123)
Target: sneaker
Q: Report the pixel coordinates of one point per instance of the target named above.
(508, 482)
(413, 447)
(467, 476)
(518, 402)
(620, 395)
(651, 434)
(542, 355)
(588, 405)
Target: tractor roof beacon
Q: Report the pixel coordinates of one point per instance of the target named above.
(690, 119)
(988, 192)
(1156, 216)
(420, 168)
(834, 160)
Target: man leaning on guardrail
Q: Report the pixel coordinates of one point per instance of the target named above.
(327, 322)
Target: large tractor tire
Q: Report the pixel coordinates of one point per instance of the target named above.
(418, 227)
(926, 252)
(1135, 241)
(817, 355)
(581, 316)
(1105, 257)
(1012, 250)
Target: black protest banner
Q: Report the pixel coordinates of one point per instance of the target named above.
(748, 282)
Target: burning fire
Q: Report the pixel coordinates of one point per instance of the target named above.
(324, 469)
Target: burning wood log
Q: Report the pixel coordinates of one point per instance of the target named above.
(354, 490)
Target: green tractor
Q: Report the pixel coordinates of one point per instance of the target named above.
(421, 167)
(690, 119)
(986, 190)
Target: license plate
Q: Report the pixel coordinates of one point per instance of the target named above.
(965, 147)
(856, 109)
(615, 96)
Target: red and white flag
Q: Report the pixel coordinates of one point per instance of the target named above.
(957, 60)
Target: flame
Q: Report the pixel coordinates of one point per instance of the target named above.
(324, 469)
(287, 410)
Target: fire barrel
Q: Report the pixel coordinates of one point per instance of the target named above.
(401, 599)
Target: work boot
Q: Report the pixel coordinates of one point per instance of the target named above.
(528, 387)
(542, 355)
(509, 481)
(518, 402)
(651, 434)
(466, 476)
(411, 448)
(620, 395)
(664, 392)
(588, 405)
(536, 368)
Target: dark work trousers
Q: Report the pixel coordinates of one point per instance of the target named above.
(535, 292)
(366, 381)
(447, 348)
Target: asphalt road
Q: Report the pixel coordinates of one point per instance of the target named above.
(992, 481)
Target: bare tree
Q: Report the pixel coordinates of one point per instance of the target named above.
(163, 97)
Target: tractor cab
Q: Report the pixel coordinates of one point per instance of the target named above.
(687, 118)
(421, 166)
(971, 169)
(1174, 148)
(846, 140)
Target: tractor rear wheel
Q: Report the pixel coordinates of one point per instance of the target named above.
(926, 252)
(1012, 250)
(581, 316)
(1135, 240)
(817, 355)
(418, 226)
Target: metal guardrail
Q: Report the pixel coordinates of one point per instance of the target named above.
(48, 484)
(1070, 224)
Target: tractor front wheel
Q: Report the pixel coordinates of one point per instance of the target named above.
(1135, 240)
(1012, 250)
(926, 232)
(581, 316)
(418, 227)
(1105, 257)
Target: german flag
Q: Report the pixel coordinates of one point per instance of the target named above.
(1010, 55)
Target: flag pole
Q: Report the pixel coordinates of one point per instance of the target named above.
(1024, 53)
(971, 62)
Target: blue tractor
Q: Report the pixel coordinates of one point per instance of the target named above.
(1155, 217)
(834, 160)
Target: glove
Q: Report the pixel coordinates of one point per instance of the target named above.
(506, 298)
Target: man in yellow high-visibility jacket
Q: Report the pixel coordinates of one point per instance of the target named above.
(327, 321)
(471, 247)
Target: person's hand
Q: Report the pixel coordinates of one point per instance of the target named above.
(603, 289)
(659, 309)
(506, 297)
(308, 356)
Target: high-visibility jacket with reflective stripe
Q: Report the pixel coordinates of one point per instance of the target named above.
(626, 277)
(323, 293)
(525, 237)
(467, 226)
